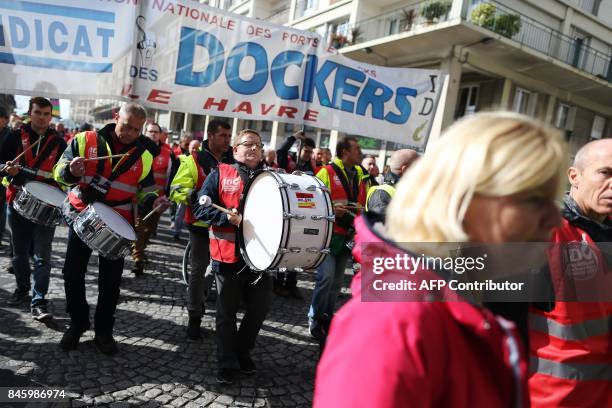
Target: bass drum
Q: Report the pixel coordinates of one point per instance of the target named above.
(287, 222)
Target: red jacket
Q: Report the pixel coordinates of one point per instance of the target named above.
(418, 354)
(571, 346)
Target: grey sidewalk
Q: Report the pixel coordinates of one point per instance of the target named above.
(156, 365)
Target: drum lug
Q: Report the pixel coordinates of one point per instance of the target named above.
(311, 188)
(293, 250)
(330, 218)
(293, 186)
(298, 173)
(296, 216)
(313, 250)
(324, 251)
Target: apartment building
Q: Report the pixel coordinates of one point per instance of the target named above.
(550, 59)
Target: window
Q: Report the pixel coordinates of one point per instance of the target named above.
(266, 126)
(468, 100)
(524, 101)
(599, 124)
(562, 118)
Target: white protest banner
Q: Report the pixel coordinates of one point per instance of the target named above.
(189, 57)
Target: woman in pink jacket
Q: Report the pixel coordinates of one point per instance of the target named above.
(492, 178)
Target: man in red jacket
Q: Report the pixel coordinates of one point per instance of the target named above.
(571, 338)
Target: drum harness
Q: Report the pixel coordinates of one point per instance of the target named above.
(123, 165)
(33, 171)
(351, 193)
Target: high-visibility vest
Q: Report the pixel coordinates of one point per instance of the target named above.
(123, 190)
(44, 168)
(339, 196)
(162, 165)
(389, 189)
(192, 162)
(571, 346)
(223, 239)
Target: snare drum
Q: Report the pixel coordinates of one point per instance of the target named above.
(287, 222)
(40, 203)
(104, 230)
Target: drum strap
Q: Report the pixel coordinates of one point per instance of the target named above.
(350, 193)
(346, 221)
(44, 153)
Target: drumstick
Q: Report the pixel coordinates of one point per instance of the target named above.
(106, 157)
(206, 201)
(152, 212)
(24, 152)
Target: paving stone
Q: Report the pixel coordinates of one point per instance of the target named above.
(153, 393)
(156, 365)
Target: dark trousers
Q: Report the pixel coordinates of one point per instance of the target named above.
(109, 279)
(199, 281)
(2, 211)
(286, 279)
(236, 283)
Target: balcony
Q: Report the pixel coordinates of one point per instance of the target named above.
(405, 19)
(508, 23)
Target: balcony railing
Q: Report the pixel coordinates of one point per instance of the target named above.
(532, 34)
(421, 14)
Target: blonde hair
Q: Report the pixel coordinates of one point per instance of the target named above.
(242, 133)
(494, 154)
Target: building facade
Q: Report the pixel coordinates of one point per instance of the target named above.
(550, 59)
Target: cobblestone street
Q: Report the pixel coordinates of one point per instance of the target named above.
(156, 365)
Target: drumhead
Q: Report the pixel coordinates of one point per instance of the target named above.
(114, 221)
(46, 193)
(262, 221)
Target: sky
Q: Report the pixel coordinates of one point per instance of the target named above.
(22, 105)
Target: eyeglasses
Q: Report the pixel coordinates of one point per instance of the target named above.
(250, 145)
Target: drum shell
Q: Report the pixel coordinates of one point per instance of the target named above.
(304, 240)
(95, 233)
(36, 210)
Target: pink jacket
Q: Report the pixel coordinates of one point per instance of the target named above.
(419, 354)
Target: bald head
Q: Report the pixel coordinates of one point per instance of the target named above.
(401, 160)
(591, 179)
(585, 154)
(194, 146)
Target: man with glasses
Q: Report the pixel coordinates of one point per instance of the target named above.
(185, 186)
(162, 168)
(118, 182)
(235, 280)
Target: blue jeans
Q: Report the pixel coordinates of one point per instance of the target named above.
(26, 234)
(329, 280)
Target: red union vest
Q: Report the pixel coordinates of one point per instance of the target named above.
(189, 218)
(122, 190)
(160, 168)
(44, 167)
(223, 239)
(571, 346)
(338, 194)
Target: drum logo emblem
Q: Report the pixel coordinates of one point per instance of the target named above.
(305, 200)
(230, 185)
(92, 152)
